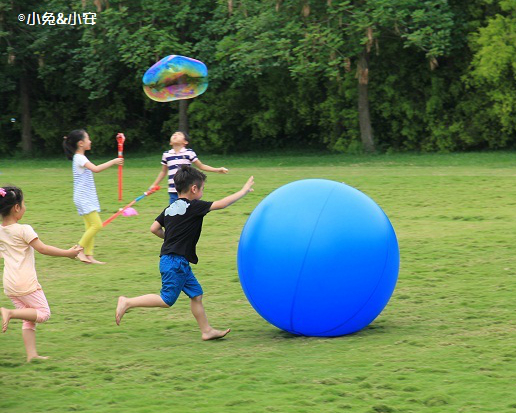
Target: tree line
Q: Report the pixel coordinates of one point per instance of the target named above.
(339, 75)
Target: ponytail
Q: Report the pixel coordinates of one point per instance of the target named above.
(9, 197)
(70, 142)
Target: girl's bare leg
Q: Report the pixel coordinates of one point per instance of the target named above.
(29, 336)
(28, 314)
(82, 257)
(29, 339)
(93, 260)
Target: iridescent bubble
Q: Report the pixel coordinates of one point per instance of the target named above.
(174, 78)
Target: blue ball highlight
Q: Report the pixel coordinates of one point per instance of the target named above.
(318, 258)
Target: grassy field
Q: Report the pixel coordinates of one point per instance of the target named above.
(446, 342)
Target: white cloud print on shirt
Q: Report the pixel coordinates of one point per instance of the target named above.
(177, 208)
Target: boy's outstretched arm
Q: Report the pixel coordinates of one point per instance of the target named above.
(157, 230)
(208, 168)
(227, 201)
(42, 248)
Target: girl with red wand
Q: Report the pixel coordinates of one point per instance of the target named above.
(84, 192)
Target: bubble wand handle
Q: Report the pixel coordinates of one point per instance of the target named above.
(130, 204)
(120, 139)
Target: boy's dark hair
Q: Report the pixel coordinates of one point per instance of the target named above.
(187, 137)
(13, 196)
(186, 177)
(70, 142)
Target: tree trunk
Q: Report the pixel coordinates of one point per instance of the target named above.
(26, 121)
(183, 104)
(364, 117)
(183, 115)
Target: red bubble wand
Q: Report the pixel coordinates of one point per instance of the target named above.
(120, 138)
(130, 204)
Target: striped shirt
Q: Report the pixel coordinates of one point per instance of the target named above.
(84, 192)
(174, 161)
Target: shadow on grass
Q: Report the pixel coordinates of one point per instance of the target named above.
(370, 330)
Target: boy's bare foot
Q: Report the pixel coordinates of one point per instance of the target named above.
(6, 317)
(214, 334)
(36, 358)
(93, 260)
(83, 258)
(121, 308)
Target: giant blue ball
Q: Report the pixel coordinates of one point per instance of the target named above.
(318, 258)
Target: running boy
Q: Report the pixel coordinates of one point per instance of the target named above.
(179, 155)
(182, 223)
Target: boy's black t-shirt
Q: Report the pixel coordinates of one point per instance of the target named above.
(182, 221)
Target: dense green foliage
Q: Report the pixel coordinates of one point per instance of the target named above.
(283, 73)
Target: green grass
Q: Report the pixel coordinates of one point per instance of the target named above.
(446, 342)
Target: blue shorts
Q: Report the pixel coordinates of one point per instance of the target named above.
(173, 197)
(177, 276)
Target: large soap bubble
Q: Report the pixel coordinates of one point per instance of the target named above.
(175, 78)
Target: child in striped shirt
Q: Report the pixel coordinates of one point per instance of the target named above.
(179, 155)
(84, 192)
